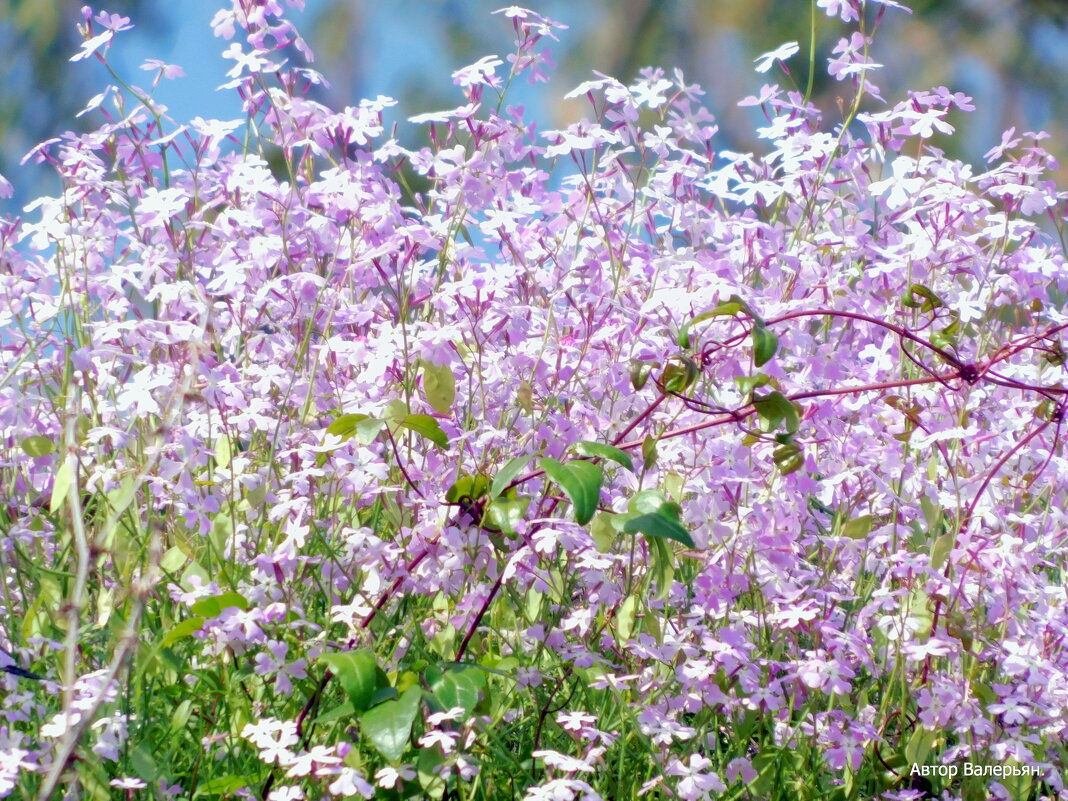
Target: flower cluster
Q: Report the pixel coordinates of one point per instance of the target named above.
(573, 464)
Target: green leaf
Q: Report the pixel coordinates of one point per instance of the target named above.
(383, 694)
(603, 532)
(214, 605)
(428, 767)
(426, 426)
(941, 549)
(602, 451)
(747, 383)
(580, 481)
(661, 566)
(946, 338)
(364, 427)
(919, 745)
(181, 716)
(144, 764)
(339, 712)
(458, 688)
(788, 457)
(356, 672)
(656, 525)
(765, 344)
(674, 485)
(775, 409)
(225, 785)
(1054, 355)
(625, 617)
(222, 452)
(726, 309)
(679, 374)
(857, 528)
(652, 501)
(640, 371)
(648, 452)
(507, 474)
(473, 487)
(389, 725)
(395, 411)
(920, 297)
(61, 486)
(182, 630)
(38, 446)
(439, 387)
(173, 560)
(505, 513)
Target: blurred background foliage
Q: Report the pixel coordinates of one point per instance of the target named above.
(1010, 55)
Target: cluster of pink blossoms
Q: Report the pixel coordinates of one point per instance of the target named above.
(743, 443)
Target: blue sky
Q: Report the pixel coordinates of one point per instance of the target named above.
(384, 51)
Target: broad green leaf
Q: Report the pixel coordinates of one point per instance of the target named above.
(225, 785)
(194, 570)
(181, 715)
(524, 397)
(661, 566)
(932, 513)
(679, 374)
(788, 457)
(580, 481)
(649, 453)
(468, 486)
(765, 344)
(603, 532)
(728, 308)
(144, 764)
(505, 513)
(674, 485)
(946, 338)
(439, 387)
(458, 688)
(364, 427)
(38, 446)
(426, 426)
(920, 297)
(216, 604)
(222, 452)
(507, 474)
(941, 549)
(356, 672)
(383, 694)
(640, 371)
(602, 451)
(652, 501)
(919, 745)
(857, 528)
(389, 725)
(656, 525)
(625, 617)
(173, 560)
(428, 767)
(1055, 355)
(339, 712)
(767, 768)
(775, 409)
(395, 411)
(1018, 785)
(182, 630)
(747, 383)
(61, 486)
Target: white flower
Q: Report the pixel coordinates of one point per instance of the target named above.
(780, 53)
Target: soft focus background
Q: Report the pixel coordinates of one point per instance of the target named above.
(1010, 55)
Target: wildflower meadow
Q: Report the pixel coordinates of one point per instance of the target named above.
(592, 464)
